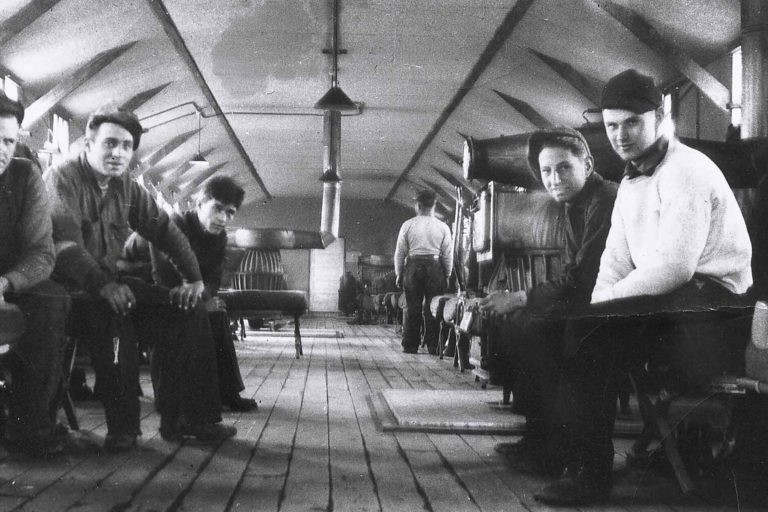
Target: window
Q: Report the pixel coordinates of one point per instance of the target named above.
(667, 104)
(11, 88)
(60, 134)
(736, 87)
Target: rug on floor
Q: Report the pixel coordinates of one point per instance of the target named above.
(453, 411)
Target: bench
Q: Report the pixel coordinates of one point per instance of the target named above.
(245, 303)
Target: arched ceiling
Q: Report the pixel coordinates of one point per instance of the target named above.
(422, 70)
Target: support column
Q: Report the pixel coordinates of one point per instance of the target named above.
(754, 50)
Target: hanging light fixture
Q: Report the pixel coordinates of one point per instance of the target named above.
(199, 160)
(335, 99)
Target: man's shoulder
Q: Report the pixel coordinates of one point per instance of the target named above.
(20, 170)
(68, 169)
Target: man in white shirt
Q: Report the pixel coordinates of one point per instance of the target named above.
(678, 242)
(423, 264)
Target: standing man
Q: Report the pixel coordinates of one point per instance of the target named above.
(205, 228)
(26, 261)
(561, 159)
(423, 264)
(677, 235)
(95, 206)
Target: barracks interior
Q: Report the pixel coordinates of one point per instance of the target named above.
(383, 255)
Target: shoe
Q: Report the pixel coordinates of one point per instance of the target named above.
(410, 351)
(36, 447)
(575, 488)
(526, 445)
(239, 404)
(206, 433)
(120, 443)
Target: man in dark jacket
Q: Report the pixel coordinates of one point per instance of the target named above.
(205, 228)
(26, 261)
(95, 206)
(561, 159)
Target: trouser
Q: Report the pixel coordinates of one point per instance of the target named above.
(536, 351)
(184, 360)
(600, 350)
(230, 379)
(36, 361)
(422, 280)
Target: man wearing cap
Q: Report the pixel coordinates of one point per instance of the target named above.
(95, 206)
(26, 262)
(561, 159)
(677, 236)
(423, 265)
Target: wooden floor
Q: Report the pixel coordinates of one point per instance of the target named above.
(312, 445)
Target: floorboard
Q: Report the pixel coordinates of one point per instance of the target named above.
(313, 444)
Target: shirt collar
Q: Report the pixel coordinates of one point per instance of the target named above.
(91, 173)
(647, 163)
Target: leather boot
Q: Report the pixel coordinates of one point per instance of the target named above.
(585, 484)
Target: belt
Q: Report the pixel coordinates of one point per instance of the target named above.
(424, 257)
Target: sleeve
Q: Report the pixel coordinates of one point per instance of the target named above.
(446, 251)
(401, 249)
(213, 283)
(616, 262)
(151, 222)
(37, 254)
(685, 215)
(73, 261)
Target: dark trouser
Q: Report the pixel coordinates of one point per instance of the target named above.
(537, 352)
(230, 380)
(183, 361)
(35, 361)
(599, 351)
(423, 279)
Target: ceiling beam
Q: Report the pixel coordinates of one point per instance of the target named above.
(164, 17)
(456, 182)
(644, 31)
(169, 176)
(588, 87)
(192, 184)
(24, 18)
(140, 99)
(148, 161)
(525, 110)
(66, 85)
(507, 26)
(454, 158)
(449, 198)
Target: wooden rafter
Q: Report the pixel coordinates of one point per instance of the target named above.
(140, 99)
(24, 18)
(152, 159)
(169, 176)
(188, 188)
(525, 110)
(644, 31)
(453, 180)
(453, 158)
(66, 85)
(504, 30)
(164, 17)
(589, 88)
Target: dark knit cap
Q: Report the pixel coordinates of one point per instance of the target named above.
(120, 117)
(539, 138)
(426, 197)
(631, 90)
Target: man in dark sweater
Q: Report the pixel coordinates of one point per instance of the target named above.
(561, 159)
(26, 261)
(95, 206)
(205, 228)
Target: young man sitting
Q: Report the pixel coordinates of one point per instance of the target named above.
(205, 228)
(561, 159)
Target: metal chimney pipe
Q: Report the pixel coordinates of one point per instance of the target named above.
(331, 209)
(754, 55)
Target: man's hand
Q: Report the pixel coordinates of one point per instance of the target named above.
(399, 282)
(215, 304)
(502, 303)
(187, 295)
(119, 297)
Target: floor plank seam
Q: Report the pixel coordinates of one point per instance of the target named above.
(416, 483)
